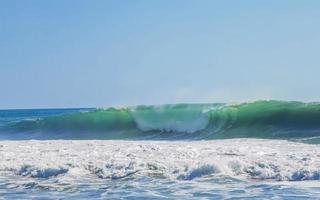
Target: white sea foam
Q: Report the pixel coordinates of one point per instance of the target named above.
(239, 158)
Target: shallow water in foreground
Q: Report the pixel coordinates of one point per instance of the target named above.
(218, 169)
(155, 188)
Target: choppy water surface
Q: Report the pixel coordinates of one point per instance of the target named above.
(237, 168)
(157, 188)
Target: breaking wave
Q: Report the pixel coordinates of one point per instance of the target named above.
(260, 119)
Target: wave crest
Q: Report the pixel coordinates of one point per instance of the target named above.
(261, 119)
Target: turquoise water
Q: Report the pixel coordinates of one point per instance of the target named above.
(276, 120)
(261, 119)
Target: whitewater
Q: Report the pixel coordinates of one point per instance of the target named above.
(237, 168)
(256, 150)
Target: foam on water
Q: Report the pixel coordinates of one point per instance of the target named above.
(251, 159)
(244, 168)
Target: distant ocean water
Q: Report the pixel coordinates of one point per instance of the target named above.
(257, 150)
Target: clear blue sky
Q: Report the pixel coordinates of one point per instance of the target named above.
(102, 53)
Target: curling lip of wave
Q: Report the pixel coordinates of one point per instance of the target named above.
(260, 119)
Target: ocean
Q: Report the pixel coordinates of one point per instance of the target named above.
(254, 150)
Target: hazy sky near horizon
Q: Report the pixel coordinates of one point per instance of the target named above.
(103, 53)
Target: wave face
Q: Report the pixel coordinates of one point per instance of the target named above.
(260, 119)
